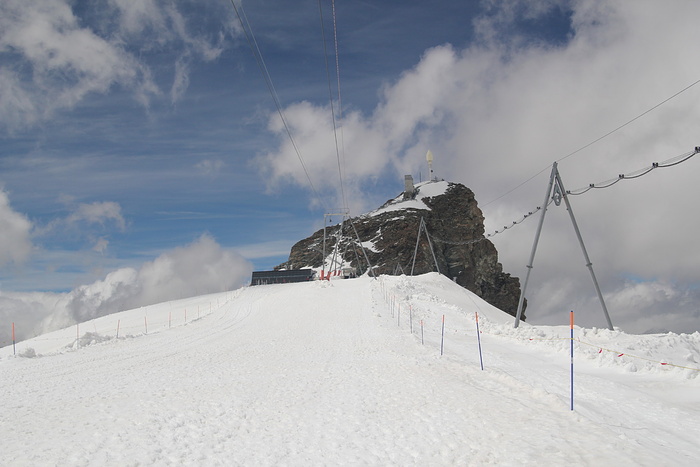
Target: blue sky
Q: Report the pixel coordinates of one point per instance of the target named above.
(137, 131)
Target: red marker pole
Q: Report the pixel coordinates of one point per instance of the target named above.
(14, 348)
(421, 333)
(571, 325)
(118, 323)
(478, 338)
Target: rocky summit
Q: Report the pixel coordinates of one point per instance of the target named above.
(453, 225)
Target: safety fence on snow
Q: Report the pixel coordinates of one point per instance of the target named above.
(397, 306)
(123, 327)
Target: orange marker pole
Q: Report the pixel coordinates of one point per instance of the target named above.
(14, 348)
(118, 323)
(421, 332)
(145, 323)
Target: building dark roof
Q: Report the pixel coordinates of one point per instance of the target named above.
(283, 276)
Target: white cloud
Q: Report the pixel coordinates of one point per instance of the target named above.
(502, 110)
(201, 267)
(87, 222)
(15, 228)
(101, 245)
(181, 81)
(98, 213)
(210, 167)
(52, 61)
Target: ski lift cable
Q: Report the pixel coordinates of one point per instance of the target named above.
(496, 232)
(605, 184)
(257, 54)
(597, 140)
(340, 100)
(636, 174)
(330, 90)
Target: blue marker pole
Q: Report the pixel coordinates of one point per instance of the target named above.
(571, 325)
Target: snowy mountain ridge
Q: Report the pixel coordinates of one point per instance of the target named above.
(428, 189)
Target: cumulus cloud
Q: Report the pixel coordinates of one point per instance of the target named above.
(500, 111)
(200, 267)
(51, 61)
(15, 228)
(86, 222)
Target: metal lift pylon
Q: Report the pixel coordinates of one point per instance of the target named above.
(421, 229)
(555, 190)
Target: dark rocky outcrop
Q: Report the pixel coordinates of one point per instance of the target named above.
(452, 219)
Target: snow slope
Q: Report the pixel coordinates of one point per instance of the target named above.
(327, 373)
(424, 190)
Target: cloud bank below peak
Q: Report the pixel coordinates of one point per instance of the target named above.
(198, 268)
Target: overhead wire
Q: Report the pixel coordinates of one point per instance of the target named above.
(340, 101)
(496, 232)
(579, 191)
(330, 91)
(635, 174)
(596, 140)
(257, 54)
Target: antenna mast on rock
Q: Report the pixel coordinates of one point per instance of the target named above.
(429, 158)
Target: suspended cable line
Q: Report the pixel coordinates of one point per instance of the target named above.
(579, 191)
(637, 173)
(496, 232)
(597, 140)
(330, 91)
(253, 44)
(630, 121)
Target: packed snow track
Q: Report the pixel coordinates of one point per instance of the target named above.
(327, 373)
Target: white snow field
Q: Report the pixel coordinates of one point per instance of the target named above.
(329, 373)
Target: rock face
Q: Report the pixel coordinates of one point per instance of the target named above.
(453, 222)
